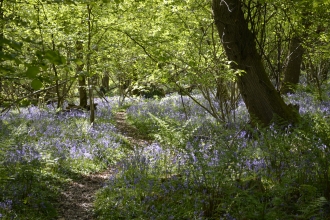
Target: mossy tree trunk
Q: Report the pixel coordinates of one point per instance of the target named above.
(260, 96)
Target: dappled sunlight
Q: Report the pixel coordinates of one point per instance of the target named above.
(186, 168)
(41, 140)
(168, 109)
(202, 169)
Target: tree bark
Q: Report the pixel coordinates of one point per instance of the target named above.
(82, 91)
(105, 82)
(90, 79)
(57, 88)
(1, 36)
(82, 78)
(292, 70)
(260, 96)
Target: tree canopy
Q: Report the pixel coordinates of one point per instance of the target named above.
(170, 44)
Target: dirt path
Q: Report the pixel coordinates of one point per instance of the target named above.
(129, 131)
(76, 200)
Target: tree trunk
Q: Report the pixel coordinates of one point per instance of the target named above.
(292, 70)
(82, 78)
(90, 79)
(57, 88)
(1, 37)
(82, 91)
(105, 82)
(260, 96)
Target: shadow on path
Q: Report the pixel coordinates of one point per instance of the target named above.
(129, 131)
(76, 199)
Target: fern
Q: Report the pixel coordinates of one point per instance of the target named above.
(315, 209)
(170, 135)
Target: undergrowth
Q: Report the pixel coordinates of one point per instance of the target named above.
(198, 168)
(203, 170)
(41, 150)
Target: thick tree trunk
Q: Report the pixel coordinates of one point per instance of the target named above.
(82, 78)
(292, 70)
(262, 100)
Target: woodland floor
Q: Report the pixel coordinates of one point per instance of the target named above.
(76, 199)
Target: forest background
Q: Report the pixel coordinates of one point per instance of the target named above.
(254, 73)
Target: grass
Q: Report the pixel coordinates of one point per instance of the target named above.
(194, 169)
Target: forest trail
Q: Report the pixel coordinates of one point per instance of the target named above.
(128, 131)
(76, 200)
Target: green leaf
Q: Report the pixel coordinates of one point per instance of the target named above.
(16, 45)
(54, 57)
(13, 44)
(32, 71)
(17, 61)
(36, 84)
(78, 62)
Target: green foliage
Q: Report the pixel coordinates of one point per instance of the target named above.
(137, 43)
(34, 195)
(53, 57)
(32, 72)
(5, 144)
(36, 84)
(274, 174)
(37, 160)
(314, 207)
(170, 134)
(24, 187)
